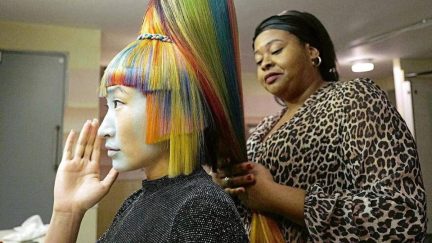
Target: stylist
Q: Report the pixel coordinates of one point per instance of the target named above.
(337, 163)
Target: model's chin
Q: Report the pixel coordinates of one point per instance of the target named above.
(120, 165)
(123, 165)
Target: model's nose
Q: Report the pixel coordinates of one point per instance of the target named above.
(107, 128)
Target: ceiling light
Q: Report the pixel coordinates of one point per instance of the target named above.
(364, 65)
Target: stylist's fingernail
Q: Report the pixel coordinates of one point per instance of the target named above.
(249, 166)
(249, 177)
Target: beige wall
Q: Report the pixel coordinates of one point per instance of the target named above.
(83, 47)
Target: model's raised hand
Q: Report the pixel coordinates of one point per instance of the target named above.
(78, 185)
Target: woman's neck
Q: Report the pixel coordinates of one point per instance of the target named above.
(158, 169)
(309, 88)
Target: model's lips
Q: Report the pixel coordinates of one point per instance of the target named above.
(271, 77)
(108, 147)
(111, 153)
(111, 150)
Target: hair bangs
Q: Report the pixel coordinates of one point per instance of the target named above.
(147, 65)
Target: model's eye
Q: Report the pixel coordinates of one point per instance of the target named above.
(258, 63)
(117, 103)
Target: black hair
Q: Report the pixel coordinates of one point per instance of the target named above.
(308, 29)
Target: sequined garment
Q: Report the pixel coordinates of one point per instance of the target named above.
(349, 148)
(180, 209)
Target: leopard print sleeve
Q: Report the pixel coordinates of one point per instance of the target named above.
(383, 198)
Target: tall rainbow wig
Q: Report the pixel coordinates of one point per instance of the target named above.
(186, 63)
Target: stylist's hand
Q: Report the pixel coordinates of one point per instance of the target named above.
(235, 178)
(257, 195)
(78, 186)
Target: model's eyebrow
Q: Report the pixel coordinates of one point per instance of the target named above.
(112, 90)
(269, 43)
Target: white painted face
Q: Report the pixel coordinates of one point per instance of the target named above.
(124, 128)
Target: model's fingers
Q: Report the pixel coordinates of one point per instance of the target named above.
(95, 156)
(82, 140)
(68, 149)
(90, 142)
(110, 178)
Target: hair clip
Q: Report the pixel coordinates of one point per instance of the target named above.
(159, 37)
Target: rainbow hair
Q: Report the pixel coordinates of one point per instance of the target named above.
(191, 80)
(186, 62)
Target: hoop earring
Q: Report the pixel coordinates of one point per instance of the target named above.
(279, 101)
(316, 61)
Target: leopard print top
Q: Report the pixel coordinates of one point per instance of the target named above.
(351, 151)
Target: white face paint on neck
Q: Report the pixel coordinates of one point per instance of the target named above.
(124, 128)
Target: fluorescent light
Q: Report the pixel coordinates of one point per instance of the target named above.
(423, 23)
(362, 66)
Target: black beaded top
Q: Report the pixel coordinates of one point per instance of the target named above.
(181, 209)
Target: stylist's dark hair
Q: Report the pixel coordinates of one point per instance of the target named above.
(308, 29)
